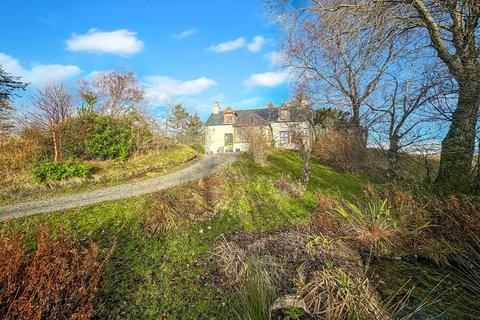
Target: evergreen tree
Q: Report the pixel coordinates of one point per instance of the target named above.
(8, 85)
(183, 126)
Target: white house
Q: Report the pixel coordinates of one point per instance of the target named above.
(224, 130)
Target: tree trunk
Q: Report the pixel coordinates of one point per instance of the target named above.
(454, 175)
(55, 145)
(392, 154)
(306, 170)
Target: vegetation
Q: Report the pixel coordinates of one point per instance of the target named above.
(55, 171)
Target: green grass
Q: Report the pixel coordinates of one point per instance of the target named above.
(151, 275)
(106, 173)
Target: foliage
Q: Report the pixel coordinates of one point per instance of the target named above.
(58, 280)
(8, 85)
(183, 126)
(55, 171)
(259, 143)
(331, 118)
(96, 136)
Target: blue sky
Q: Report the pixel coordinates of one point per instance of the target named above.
(190, 52)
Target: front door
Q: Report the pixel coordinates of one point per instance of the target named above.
(228, 137)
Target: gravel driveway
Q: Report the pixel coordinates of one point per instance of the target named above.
(206, 166)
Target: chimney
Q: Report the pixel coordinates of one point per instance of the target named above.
(216, 108)
(270, 105)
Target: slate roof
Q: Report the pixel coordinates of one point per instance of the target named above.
(269, 115)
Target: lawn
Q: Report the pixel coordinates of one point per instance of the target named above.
(168, 271)
(21, 187)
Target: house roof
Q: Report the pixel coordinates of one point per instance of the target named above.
(268, 115)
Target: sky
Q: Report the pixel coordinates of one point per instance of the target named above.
(189, 52)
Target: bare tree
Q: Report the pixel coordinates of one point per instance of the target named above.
(303, 133)
(404, 123)
(117, 93)
(451, 29)
(53, 106)
(337, 56)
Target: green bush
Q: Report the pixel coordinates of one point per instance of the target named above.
(55, 171)
(96, 136)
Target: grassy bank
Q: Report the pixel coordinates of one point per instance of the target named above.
(167, 270)
(20, 186)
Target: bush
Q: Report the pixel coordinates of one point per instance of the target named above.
(55, 171)
(58, 280)
(341, 150)
(96, 136)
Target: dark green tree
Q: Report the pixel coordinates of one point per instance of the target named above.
(183, 126)
(9, 84)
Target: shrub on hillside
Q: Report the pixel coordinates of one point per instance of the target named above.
(54, 171)
(341, 150)
(58, 280)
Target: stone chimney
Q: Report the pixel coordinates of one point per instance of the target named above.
(270, 105)
(216, 108)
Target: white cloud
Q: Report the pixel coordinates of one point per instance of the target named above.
(276, 58)
(256, 44)
(122, 42)
(228, 46)
(38, 74)
(185, 33)
(161, 89)
(266, 79)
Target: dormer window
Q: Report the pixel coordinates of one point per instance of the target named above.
(283, 114)
(229, 116)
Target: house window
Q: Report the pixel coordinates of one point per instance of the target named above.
(229, 118)
(283, 115)
(284, 137)
(240, 135)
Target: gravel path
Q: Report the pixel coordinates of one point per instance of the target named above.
(202, 168)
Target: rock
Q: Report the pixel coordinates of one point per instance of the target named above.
(289, 307)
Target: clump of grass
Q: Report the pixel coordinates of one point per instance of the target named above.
(333, 294)
(374, 224)
(258, 292)
(58, 280)
(232, 261)
(289, 185)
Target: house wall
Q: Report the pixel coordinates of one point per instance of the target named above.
(277, 127)
(215, 140)
(214, 137)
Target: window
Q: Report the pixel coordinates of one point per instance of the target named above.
(229, 118)
(283, 115)
(240, 135)
(284, 137)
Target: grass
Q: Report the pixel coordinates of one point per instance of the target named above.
(106, 173)
(167, 273)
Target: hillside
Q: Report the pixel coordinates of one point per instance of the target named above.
(162, 263)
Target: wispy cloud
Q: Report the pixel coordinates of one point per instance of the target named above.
(38, 74)
(160, 89)
(121, 42)
(276, 58)
(257, 44)
(185, 33)
(266, 79)
(228, 45)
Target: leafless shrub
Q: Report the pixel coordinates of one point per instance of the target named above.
(341, 150)
(259, 143)
(58, 280)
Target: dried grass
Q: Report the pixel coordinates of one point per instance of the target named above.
(58, 280)
(289, 185)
